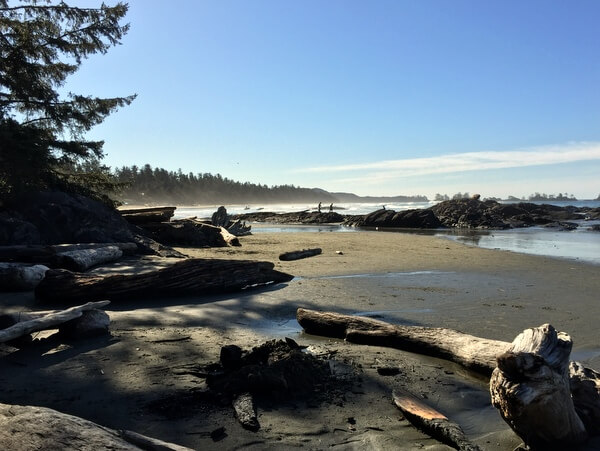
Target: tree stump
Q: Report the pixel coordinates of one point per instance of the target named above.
(531, 389)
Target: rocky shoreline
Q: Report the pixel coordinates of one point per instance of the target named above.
(459, 213)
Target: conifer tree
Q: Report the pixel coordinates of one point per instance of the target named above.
(42, 133)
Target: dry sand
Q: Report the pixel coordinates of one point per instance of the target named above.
(406, 278)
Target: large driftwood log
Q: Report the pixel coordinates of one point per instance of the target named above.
(474, 353)
(432, 422)
(297, 255)
(239, 228)
(20, 277)
(49, 321)
(531, 389)
(479, 354)
(194, 276)
(190, 232)
(40, 428)
(83, 259)
(47, 254)
(229, 238)
(149, 214)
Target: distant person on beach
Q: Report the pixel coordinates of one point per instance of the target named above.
(330, 208)
(319, 207)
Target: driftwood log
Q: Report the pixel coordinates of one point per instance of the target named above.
(297, 255)
(531, 389)
(239, 228)
(150, 214)
(29, 427)
(48, 321)
(474, 353)
(194, 276)
(523, 369)
(20, 277)
(48, 254)
(83, 259)
(432, 422)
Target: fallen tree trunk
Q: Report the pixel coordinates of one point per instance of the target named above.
(530, 359)
(19, 277)
(151, 214)
(194, 276)
(474, 353)
(239, 228)
(297, 255)
(531, 389)
(229, 238)
(29, 427)
(47, 254)
(49, 321)
(432, 422)
(83, 259)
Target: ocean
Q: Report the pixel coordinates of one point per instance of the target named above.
(581, 244)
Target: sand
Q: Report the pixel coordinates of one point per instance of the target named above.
(405, 278)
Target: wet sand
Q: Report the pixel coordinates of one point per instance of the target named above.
(403, 278)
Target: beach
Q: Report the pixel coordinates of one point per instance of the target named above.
(142, 377)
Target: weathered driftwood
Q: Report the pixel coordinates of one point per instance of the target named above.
(150, 214)
(194, 276)
(229, 238)
(46, 254)
(49, 321)
(239, 228)
(432, 422)
(480, 354)
(297, 255)
(20, 277)
(474, 353)
(148, 443)
(29, 427)
(531, 389)
(83, 259)
(245, 411)
(189, 232)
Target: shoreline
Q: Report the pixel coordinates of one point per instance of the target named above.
(404, 278)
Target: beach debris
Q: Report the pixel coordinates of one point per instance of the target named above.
(339, 252)
(239, 228)
(190, 232)
(30, 427)
(193, 276)
(430, 421)
(20, 277)
(531, 378)
(83, 259)
(245, 411)
(27, 323)
(49, 255)
(297, 255)
(275, 371)
(140, 216)
(531, 388)
(477, 354)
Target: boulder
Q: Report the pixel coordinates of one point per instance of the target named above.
(56, 217)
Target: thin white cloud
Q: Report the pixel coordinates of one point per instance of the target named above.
(469, 161)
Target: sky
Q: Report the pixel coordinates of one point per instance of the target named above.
(376, 97)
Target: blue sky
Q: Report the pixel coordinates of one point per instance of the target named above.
(371, 97)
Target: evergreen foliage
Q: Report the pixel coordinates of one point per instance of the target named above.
(42, 144)
(156, 185)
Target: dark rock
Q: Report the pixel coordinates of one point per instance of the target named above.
(415, 219)
(561, 225)
(470, 213)
(90, 324)
(302, 217)
(56, 217)
(220, 218)
(595, 228)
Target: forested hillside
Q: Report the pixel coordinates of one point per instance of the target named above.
(156, 185)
